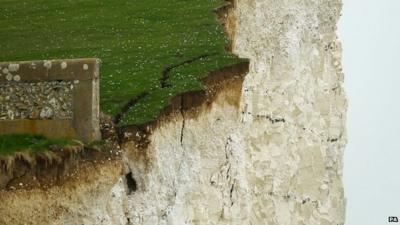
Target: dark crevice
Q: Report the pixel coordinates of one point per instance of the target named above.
(227, 157)
(9, 185)
(163, 84)
(280, 120)
(304, 201)
(128, 105)
(231, 193)
(289, 197)
(273, 120)
(166, 72)
(333, 139)
(131, 183)
(226, 147)
(228, 171)
(183, 121)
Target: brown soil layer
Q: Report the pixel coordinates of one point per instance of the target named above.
(190, 102)
(45, 172)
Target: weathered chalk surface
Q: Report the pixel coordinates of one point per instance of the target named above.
(293, 168)
(55, 98)
(277, 159)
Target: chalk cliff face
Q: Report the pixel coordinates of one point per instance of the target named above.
(294, 110)
(275, 159)
(266, 150)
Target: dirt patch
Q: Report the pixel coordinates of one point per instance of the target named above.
(54, 168)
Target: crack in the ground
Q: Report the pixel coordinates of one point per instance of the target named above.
(183, 121)
(165, 75)
(231, 192)
(182, 134)
(129, 105)
(166, 72)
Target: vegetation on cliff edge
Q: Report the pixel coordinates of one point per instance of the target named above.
(9, 144)
(151, 50)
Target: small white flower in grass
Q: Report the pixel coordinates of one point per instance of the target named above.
(9, 77)
(85, 66)
(63, 65)
(17, 78)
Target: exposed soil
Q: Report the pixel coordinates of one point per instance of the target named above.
(189, 102)
(43, 174)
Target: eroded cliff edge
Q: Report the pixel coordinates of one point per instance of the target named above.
(266, 149)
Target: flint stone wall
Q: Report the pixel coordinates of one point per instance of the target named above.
(55, 98)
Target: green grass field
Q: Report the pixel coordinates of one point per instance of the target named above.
(136, 40)
(9, 144)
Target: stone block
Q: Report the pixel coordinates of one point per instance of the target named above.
(54, 98)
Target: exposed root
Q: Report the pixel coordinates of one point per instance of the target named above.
(52, 168)
(54, 155)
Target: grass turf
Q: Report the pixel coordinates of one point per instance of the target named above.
(9, 144)
(136, 40)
